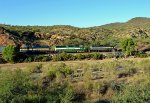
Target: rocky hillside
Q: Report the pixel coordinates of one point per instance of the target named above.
(110, 34)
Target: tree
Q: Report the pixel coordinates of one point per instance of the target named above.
(128, 46)
(10, 53)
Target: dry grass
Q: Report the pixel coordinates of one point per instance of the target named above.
(23, 65)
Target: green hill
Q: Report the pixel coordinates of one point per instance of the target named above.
(110, 34)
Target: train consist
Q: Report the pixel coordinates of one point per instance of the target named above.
(83, 49)
(67, 49)
(60, 49)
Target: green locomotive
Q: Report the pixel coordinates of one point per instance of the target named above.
(70, 49)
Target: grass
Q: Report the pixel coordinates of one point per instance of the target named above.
(102, 80)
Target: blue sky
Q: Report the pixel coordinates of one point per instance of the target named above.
(80, 13)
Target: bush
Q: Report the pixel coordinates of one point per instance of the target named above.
(37, 69)
(63, 57)
(98, 56)
(60, 69)
(41, 58)
(141, 55)
(36, 58)
(14, 86)
(133, 94)
(126, 73)
(80, 56)
(128, 46)
(9, 53)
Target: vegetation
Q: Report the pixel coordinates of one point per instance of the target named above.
(109, 81)
(10, 53)
(111, 34)
(70, 57)
(128, 46)
(119, 81)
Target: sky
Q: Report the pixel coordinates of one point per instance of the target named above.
(79, 13)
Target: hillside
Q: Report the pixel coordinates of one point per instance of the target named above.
(110, 34)
(7, 38)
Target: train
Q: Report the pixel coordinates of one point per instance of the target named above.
(59, 49)
(67, 49)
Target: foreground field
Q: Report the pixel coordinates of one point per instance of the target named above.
(89, 81)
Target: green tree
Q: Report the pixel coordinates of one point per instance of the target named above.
(10, 53)
(128, 46)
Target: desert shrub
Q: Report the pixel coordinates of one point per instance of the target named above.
(109, 55)
(145, 65)
(29, 59)
(63, 57)
(126, 73)
(56, 58)
(103, 88)
(14, 86)
(88, 56)
(128, 46)
(87, 78)
(41, 58)
(58, 70)
(67, 96)
(80, 56)
(141, 55)
(133, 94)
(37, 69)
(97, 56)
(37, 58)
(51, 76)
(60, 93)
(117, 86)
(10, 53)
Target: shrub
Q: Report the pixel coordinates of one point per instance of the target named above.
(10, 53)
(103, 88)
(133, 94)
(36, 58)
(141, 55)
(14, 86)
(97, 56)
(80, 56)
(126, 73)
(128, 46)
(59, 70)
(37, 69)
(117, 86)
(63, 57)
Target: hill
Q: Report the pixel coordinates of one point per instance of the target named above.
(110, 34)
